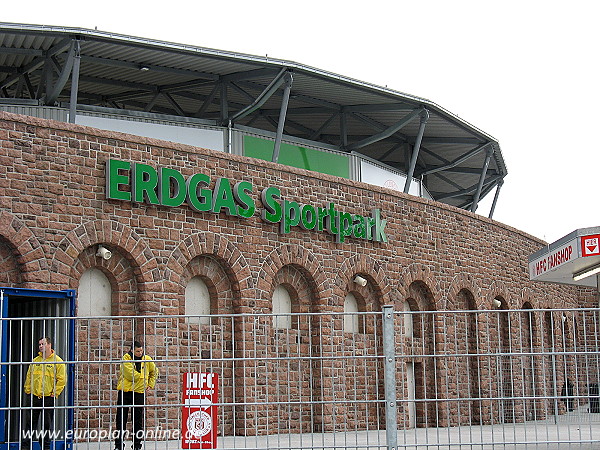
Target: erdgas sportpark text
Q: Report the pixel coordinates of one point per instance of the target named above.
(141, 183)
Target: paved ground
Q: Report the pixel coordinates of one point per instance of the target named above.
(575, 430)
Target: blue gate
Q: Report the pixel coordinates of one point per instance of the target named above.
(26, 316)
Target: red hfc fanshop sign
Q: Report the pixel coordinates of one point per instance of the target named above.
(552, 260)
(199, 415)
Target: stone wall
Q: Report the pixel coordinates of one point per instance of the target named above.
(54, 212)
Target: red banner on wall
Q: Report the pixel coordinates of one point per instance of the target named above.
(199, 414)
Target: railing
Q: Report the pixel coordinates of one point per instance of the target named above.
(410, 379)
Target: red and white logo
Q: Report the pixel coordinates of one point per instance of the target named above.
(199, 411)
(590, 245)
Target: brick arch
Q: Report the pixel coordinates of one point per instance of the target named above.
(538, 299)
(10, 270)
(379, 288)
(418, 273)
(30, 259)
(66, 269)
(303, 260)
(528, 296)
(218, 280)
(418, 285)
(459, 283)
(498, 290)
(225, 252)
(298, 285)
(120, 274)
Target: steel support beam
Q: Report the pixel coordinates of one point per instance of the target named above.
(488, 186)
(224, 104)
(272, 121)
(469, 191)
(29, 85)
(254, 118)
(287, 79)
(19, 89)
(37, 63)
(56, 65)
(241, 91)
(152, 102)
(343, 129)
(298, 126)
(317, 133)
(262, 98)
(42, 82)
(457, 161)
(208, 101)
(500, 183)
(21, 51)
(490, 152)
(332, 107)
(173, 103)
(74, 82)
(465, 171)
(394, 148)
(387, 132)
(48, 79)
(415, 153)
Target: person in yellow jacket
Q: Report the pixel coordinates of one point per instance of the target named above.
(45, 380)
(138, 374)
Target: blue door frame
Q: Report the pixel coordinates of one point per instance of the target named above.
(6, 294)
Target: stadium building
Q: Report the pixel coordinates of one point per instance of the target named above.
(142, 180)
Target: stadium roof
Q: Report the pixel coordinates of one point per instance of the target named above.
(458, 163)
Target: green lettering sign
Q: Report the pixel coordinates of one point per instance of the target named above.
(308, 218)
(172, 188)
(272, 211)
(115, 179)
(223, 198)
(144, 181)
(198, 197)
(241, 192)
(141, 183)
(380, 235)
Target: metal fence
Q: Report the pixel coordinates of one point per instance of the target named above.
(392, 379)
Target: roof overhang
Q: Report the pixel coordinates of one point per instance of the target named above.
(573, 259)
(457, 162)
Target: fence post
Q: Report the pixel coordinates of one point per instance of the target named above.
(389, 353)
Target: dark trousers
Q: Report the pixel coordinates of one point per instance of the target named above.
(43, 406)
(125, 402)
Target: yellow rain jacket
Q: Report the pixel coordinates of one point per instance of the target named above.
(132, 379)
(46, 377)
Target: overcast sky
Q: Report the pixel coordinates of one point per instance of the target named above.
(525, 72)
